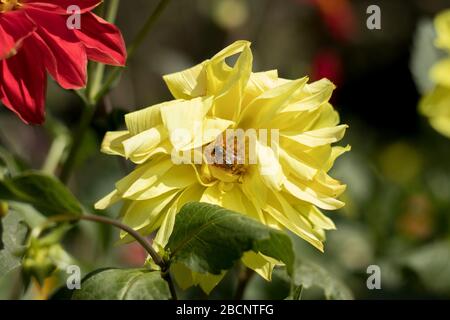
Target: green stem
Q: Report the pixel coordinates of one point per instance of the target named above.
(61, 139)
(143, 242)
(86, 118)
(139, 238)
(166, 276)
(133, 233)
(111, 16)
(113, 8)
(138, 40)
(55, 154)
(91, 102)
(298, 292)
(140, 37)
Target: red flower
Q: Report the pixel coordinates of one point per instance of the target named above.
(35, 39)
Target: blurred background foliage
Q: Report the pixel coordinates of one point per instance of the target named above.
(398, 172)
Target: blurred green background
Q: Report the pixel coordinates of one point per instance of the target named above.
(398, 172)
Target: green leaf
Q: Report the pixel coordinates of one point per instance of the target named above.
(45, 193)
(14, 233)
(308, 275)
(30, 215)
(8, 165)
(208, 239)
(123, 284)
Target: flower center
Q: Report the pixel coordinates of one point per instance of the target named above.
(227, 157)
(9, 5)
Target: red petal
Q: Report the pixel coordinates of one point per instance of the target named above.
(70, 63)
(24, 83)
(103, 41)
(60, 6)
(14, 27)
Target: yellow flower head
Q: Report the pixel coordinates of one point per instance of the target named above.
(436, 104)
(274, 168)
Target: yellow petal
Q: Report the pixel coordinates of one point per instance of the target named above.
(208, 132)
(314, 99)
(112, 142)
(304, 192)
(269, 166)
(187, 278)
(315, 216)
(442, 24)
(440, 73)
(218, 71)
(108, 200)
(258, 83)
(183, 275)
(232, 49)
(145, 214)
(328, 117)
(208, 281)
(319, 86)
(140, 147)
(184, 120)
(441, 124)
(261, 264)
(228, 101)
(307, 109)
(254, 187)
(435, 105)
(143, 177)
(326, 185)
(318, 137)
(283, 212)
(296, 165)
(176, 178)
(226, 195)
(336, 152)
(192, 193)
(266, 106)
(256, 191)
(145, 119)
(188, 84)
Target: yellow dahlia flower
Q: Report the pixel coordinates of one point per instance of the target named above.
(285, 187)
(436, 104)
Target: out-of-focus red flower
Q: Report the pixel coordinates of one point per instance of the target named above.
(35, 39)
(339, 17)
(328, 64)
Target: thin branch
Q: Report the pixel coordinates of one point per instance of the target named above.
(144, 243)
(165, 272)
(139, 238)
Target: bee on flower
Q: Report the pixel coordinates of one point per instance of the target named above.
(210, 99)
